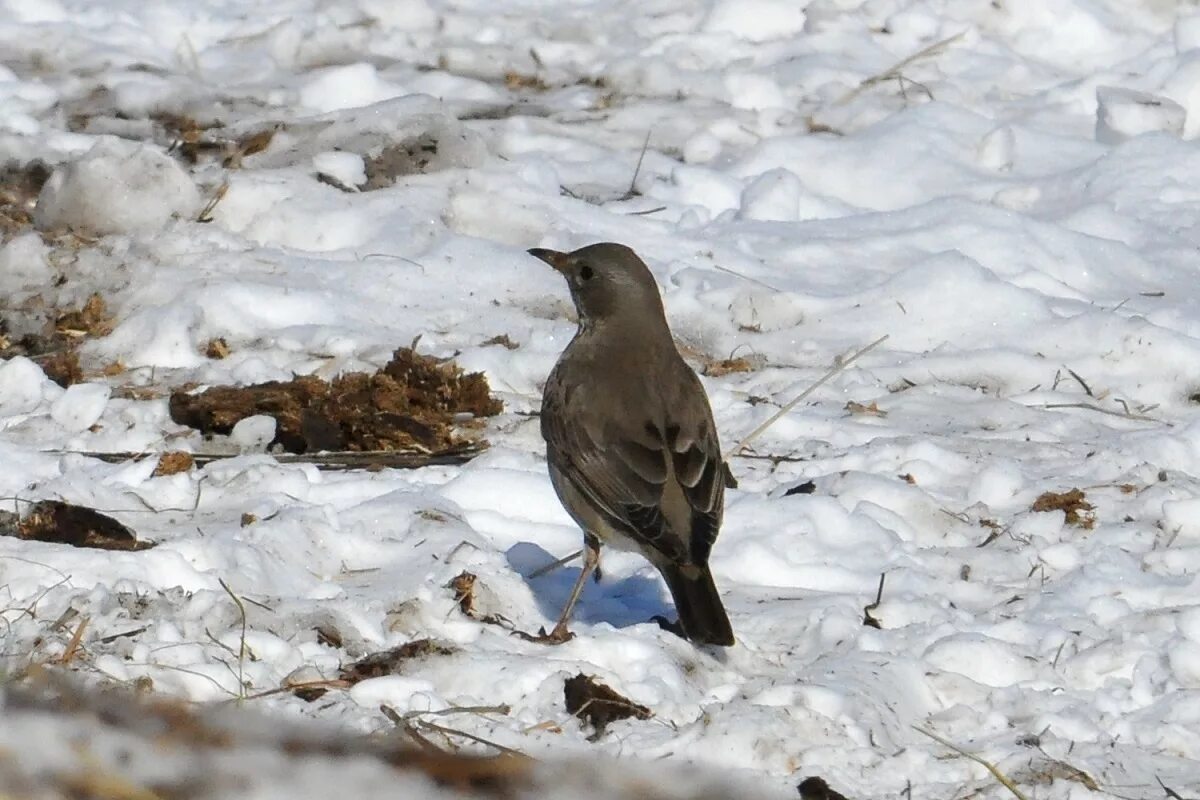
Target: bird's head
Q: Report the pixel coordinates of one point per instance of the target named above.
(607, 281)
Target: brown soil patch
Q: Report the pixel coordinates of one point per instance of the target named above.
(391, 662)
(54, 345)
(64, 523)
(410, 404)
(410, 157)
(20, 185)
(1073, 504)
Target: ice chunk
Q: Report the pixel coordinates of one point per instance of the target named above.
(80, 406)
(116, 187)
(1124, 113)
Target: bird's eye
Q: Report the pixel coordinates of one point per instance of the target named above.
(585, 272)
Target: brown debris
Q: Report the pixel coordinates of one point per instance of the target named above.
(503, 340)
(64, 523)
(216, 348)
(597, 704)
(20, 185)
(815, 788)
(1079, 512)
(391, 662)
(53, 336)
(193, 140)
(465, 585)
(858, 409)
(514, 80)
(729, 366)
(92, 319)
(173, 463)
(63, 368)
(410, 157)
(408, 405)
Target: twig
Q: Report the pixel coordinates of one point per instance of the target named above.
(893, 71)
(241, 655)
(503, 708)
(1005, 781)
(632, 190)
(205, 214)
(834, 370)
(1111, 413)
(1082, 383)
(868, 620)
(73, 645)
(404, 725)
(553, 565)
(1174, 795)
(332, 683)
(394, 459)
(508, 751)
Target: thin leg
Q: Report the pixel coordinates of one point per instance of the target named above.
(591, 560)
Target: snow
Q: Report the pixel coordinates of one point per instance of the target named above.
(1015, 205)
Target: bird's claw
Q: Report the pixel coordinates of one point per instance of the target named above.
(560, 635)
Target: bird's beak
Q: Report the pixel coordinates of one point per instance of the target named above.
(552, 257)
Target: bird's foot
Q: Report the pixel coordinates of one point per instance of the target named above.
(560, 635)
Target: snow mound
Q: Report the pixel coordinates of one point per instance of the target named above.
(116, 188)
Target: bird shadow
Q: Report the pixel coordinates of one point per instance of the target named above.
(631, 600)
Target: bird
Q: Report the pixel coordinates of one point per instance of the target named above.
(631, 446)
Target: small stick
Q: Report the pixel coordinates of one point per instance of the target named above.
(896, 68)
(73, 645)
(394, 459)
(500, 709)
(508, 751)
(632, 190)
(834, 370)
(553, 565)
(1005, 781)
(241, 654)
(1090, 407)
(1174, 795)
(1082, 383)
(333, 683)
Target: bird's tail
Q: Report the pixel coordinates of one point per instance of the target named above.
(701, 614)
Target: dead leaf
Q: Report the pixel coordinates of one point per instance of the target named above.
(1079, 512)
(599, 705)
(858, 409)
(173, 463)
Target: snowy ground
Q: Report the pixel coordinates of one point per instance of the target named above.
(798, 199)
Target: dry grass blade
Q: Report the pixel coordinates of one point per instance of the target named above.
(1111, 413)
(894, 71)
(205, 214)
(442, 729)
(74, 644)
(1004, 780)
(241, 654)
(553, 565)
(834, 370)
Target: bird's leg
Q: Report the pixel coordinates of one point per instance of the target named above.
(591, 560)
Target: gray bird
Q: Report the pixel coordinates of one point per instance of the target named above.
(632, 449)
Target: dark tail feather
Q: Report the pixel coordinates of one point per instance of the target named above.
(701, 614)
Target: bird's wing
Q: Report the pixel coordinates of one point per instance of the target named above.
(656, 477)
